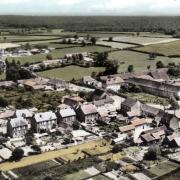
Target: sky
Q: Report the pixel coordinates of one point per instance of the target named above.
(90, 7)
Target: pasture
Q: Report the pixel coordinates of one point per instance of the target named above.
(70, 72)
(170, 48)
(140, 61)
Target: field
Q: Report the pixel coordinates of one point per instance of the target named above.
(60, 53)
(148, 98)
(163, 168)
(143, 40)
(140, 61)
(115, 45)
(171, 48)
(70, 72)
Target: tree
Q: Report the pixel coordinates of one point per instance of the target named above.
(110, 39)
(76, 125)
(36, 148)
(174, 71)
(101, 59)
(111, 68)
(48, 178)
(27, 46)
(3, 102)
(152, 56)
(116, 148)
(130, 68)
(159, 65)
(174, 104)
(49, 57)
(17, 154)
(76, 36)
(152, 154)
(149, 67)
(93, 40)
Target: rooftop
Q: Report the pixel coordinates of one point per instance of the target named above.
(45, 116)
(18, 122)
(88, 109)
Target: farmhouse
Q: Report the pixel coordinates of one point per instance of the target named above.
(66, 116)
(130, 105)
(44, 121)
(73, 101)
(88, 113)
(112, 83)
(149, 111)
(58, 84)
(17, 127)
(88, 80)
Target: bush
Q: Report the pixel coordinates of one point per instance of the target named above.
(17, 154)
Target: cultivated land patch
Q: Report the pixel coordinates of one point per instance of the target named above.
(115, 45)
(143, 40)
(140, 61)
(171, 48)
(70, 72)
(32, 160)
(60, 53)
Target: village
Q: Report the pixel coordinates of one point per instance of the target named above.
(132, 138)
(95, 124)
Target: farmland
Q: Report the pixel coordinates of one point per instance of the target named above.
(140, 61)
(143, 40)
(171, 48)
(70, 72)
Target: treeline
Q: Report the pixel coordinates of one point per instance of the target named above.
(168, 25)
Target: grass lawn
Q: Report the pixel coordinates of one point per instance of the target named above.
(60, 53)
(139, 60)
(171, 48)
(148, 98)
(70, 72)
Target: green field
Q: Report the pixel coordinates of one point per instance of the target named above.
(60, 53)
(70, 72)
(148, 98)
(171, 48)
(139, 60)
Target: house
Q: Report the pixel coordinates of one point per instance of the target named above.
(66, 116)
(160, 74)
(140, 126)
(88, 80)
(7, 84)
(153, 135)
(25, 113)
(88, 113)
(58, 84)
(73, 101)
(113, 83)
(33, 84)
(44, 121)
(128, 129)
(149, 111)
(130, 105)
(17, 127)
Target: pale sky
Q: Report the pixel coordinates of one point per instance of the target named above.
(90, 7)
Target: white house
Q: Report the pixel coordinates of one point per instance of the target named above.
(44, 121)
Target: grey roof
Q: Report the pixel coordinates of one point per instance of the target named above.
(177, 140)
(24, 113)
(150, 109)
(67, 112)
(129, 102)
(45, 116)
(18, 122)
